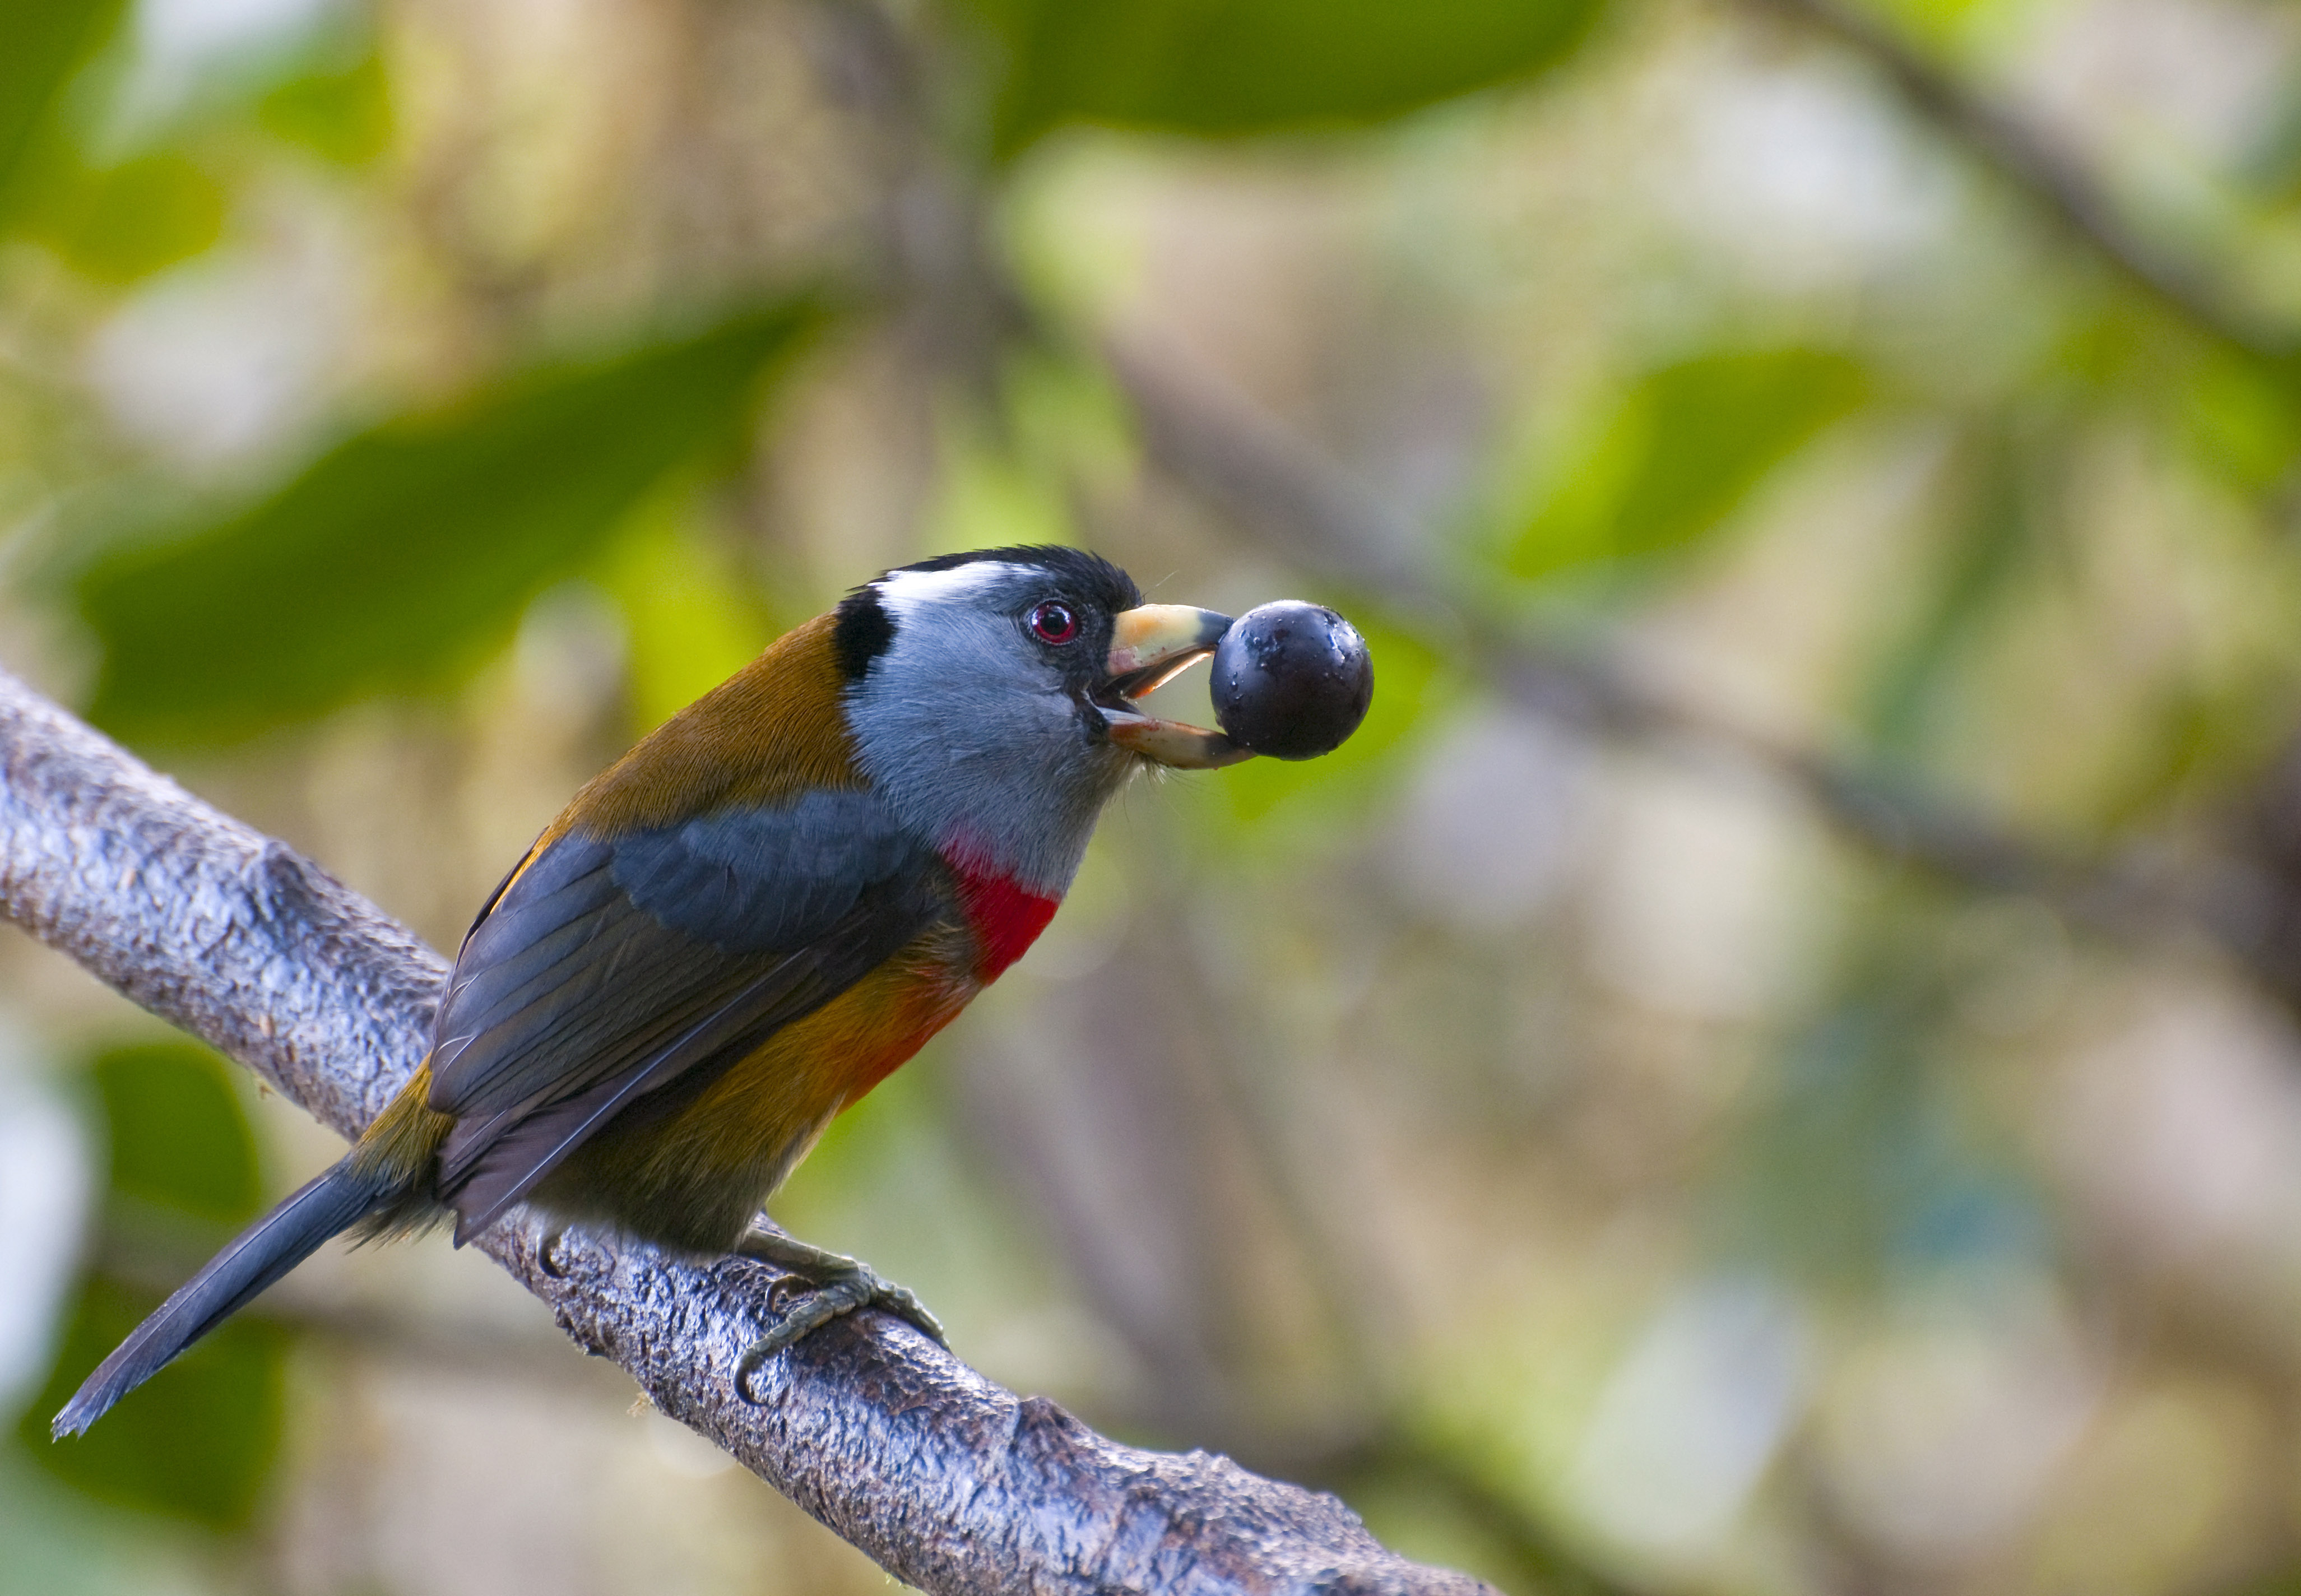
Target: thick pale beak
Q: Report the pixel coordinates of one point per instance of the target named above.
(1149, 645)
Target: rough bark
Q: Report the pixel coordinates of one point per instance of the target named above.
(948, 1480)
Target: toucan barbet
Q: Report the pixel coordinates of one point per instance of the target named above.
(744, 925)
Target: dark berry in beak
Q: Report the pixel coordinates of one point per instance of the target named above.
(1292, 680)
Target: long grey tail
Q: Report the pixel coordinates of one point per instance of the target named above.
(259, 1255)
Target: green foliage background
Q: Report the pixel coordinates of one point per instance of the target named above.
(1767, 1065)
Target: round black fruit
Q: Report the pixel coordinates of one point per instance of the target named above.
(1292, 680)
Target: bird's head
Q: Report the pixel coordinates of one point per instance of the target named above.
(991, 697)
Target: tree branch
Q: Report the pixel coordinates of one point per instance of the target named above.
(946, 1479)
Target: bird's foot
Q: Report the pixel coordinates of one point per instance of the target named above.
(546, 1253)
(841, 1285)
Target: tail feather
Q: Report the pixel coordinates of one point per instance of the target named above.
(256, 1258)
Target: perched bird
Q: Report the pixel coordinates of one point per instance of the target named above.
(746, 923)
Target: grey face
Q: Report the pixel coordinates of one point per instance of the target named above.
(975, 714)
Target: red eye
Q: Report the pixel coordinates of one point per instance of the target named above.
(1053, 623)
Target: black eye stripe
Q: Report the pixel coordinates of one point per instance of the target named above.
(862, 633)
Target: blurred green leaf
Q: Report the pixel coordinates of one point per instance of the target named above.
(1256, 66)
(178, 1136)
(990, 496)
(343, 115)
(1684, 450)
(124, 222)
(2243, 419)
(691, 617)
(1937, 23)
(1990, 532)
(402, 556)
(197, 1442)
(42, 45)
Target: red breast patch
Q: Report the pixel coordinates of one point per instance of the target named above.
(1005, 918)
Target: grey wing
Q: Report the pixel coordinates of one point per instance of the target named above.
(609, 968)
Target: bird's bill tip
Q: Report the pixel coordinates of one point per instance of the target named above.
(1174, 743)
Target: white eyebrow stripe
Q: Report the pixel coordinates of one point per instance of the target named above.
(904, 590)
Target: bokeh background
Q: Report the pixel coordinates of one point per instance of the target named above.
(1770, 1064)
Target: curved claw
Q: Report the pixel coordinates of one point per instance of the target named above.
(546, 1253)
(889, 1297)
(754, 1355)
(831, 1299)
